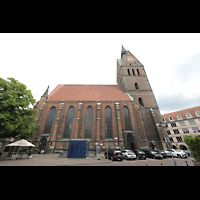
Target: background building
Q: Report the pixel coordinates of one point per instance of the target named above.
(100, 113)
(180, 123)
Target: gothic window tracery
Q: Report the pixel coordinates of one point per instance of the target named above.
(69, 121)
(50, 119)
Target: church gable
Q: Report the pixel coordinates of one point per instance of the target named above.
(130, 60)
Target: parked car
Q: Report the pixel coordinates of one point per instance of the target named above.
(169, 154)
(162, 152)
(128, 154)
(140, 154)
(188, 152)
(114, 154)
(152, 154)
(178, 153)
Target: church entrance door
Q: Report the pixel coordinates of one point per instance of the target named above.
(130, 142)
(42, 144)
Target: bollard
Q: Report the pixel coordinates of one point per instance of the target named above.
(161, 164)
(186, 163)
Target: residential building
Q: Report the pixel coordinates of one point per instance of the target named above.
(180, 123)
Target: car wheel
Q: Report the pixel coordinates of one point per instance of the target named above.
(138, 157)
(178, 155)
(126, 158)
(112, 158)
(154, 157)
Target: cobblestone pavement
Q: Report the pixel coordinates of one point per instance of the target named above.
(51, 160)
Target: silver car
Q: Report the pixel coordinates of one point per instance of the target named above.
(128, 154)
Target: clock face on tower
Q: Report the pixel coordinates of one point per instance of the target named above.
(129, 58)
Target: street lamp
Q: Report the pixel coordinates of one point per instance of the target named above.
(160, 126)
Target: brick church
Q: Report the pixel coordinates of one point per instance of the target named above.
(124, 114)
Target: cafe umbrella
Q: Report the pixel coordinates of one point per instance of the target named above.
(21, 143)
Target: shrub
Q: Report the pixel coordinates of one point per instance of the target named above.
(193, 143)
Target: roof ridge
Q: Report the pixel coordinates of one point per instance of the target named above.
(181, 110)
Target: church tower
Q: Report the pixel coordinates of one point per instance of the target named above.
(131, 76)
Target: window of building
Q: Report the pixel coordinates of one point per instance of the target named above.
(133, 72)
(126, 118)
(164, 120)
(197, 113)
(88, 127)
(168, 132)
(176, 131)
(171, 118)
(173, 124)
(179, 117)
(188, 115)
(136, 86)
(128, 72)
(108, 123)
(185, 130)
(195, 129)
(50, 119)
(171, 139)
(179, 139)
(191, 122)
(182, 123)
(141, 102)
(138, 72)
(68, 125)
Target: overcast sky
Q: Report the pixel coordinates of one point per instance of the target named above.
(171, 61)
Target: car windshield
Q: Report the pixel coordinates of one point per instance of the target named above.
(153, 152)
(129, 152)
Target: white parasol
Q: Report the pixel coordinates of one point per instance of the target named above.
(21, 143)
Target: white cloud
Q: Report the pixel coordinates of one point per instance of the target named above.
(172, 61)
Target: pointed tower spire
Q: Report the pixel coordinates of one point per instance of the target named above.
(46, 92)
(123, 52)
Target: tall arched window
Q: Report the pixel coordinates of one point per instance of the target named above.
(108, 123)
(68, 125)
(128, 72)
(50, 119)
(136, 86)
(141, 102)
(126, 118)
(88, 127)
(138, 72)
(133, 72)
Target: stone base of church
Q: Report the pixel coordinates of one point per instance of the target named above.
(57, 146)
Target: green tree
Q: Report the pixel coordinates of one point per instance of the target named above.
(16, 115)
(193, 142)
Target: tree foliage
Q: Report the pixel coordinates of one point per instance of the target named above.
(16, 116)
(193, 142)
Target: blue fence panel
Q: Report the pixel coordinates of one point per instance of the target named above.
(78, 149)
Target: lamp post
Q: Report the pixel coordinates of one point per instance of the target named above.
(160, 126)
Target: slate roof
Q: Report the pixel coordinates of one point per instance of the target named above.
(88, 93)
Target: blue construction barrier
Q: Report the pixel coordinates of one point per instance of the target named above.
(78, 149)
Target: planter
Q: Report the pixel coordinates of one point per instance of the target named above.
(196, 163)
